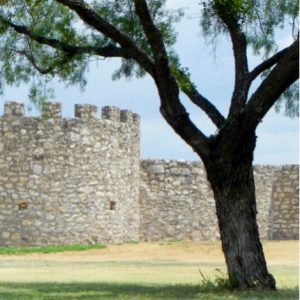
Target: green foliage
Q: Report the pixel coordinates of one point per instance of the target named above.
(23, 60)
(259, 20)
(40, 92)
(265, 18)
(182, 76)
(289, 101)
(121, 14)
(48, 249)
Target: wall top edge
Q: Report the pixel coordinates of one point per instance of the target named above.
(147, 161)
(52, 110)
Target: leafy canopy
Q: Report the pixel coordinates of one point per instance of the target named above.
(260, 20)
(25, 60)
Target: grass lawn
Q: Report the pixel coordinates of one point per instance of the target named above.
(139, 271)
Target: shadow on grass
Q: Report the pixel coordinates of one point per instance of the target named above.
(93, 291)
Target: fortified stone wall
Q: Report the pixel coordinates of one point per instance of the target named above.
(264, 177)
(284, 212)
(65, 181)
(80, 180)
(176, 201)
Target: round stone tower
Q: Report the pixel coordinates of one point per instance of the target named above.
(66, 181)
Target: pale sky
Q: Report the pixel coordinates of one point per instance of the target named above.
(278, 141)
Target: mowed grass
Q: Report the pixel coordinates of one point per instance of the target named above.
(88, 291)
(48, 249)
(139, 271)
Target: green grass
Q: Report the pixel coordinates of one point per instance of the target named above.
(49, 249)
(106, 274)
(136, 280)
(93, 291)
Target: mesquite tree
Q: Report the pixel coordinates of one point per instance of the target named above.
(58, 38)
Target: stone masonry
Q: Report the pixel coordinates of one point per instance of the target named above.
(81, 180)
(284, 210)
(67, 181)
(176, 201)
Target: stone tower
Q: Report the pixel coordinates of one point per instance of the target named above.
(66, 181)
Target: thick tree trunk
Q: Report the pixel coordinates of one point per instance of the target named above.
(232, 182)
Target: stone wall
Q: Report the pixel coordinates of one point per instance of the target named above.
(67, 181)
(80, 180)
(176, 201)
(264, 182)
(284, 212)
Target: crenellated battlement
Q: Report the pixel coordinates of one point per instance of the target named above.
(14, 109)
(53, 110)
(85, 111)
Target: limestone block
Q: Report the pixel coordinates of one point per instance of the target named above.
(15, 236)
(5, 234)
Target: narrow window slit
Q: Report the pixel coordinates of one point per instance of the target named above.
(112, 205)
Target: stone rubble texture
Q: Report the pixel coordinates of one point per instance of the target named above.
(81, 180)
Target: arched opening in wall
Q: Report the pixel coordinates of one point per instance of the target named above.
(112, 205)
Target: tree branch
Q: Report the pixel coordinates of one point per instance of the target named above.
(93, 19)
(190, 90)
(171, 108)
(153, 35)
(280, 78)
(164, 78)
(267, 64)
(239, 45)
(211, 111)
(163, 70)
(42, 70)
(71, 50)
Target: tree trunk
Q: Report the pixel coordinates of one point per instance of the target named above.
(232, 182)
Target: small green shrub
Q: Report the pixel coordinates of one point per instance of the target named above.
(220, 282)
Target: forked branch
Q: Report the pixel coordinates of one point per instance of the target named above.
(93, 19)
(267, 64)
(280, 78)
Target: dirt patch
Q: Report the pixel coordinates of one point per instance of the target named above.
(277, 253)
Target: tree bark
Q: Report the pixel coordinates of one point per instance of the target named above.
(231, 178)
